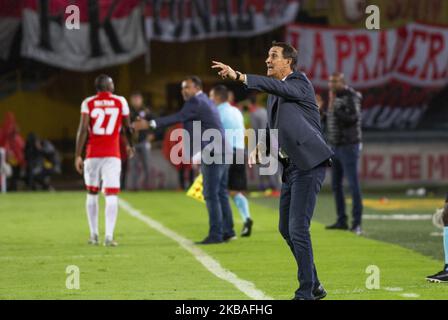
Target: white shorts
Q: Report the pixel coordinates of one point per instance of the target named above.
(104, 172)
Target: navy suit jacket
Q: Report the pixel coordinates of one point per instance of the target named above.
(198, 108)
(292, 109)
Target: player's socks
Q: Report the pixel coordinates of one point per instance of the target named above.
(445, 246)
(111, 215)
(92, 213)
(243, 205)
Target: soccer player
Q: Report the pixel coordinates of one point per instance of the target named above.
(233, 123)
(442, 276)
(102, 117)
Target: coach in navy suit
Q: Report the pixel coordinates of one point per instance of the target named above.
(302, 151)
(198, 107)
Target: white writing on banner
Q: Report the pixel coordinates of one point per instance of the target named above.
(202, 19)
(400, 164)
(416, 54)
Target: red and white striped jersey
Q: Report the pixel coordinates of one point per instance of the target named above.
(106, 112)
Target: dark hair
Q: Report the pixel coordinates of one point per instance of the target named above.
(289, 52)
(222, 92)
(103, 83)
(136, 93)
(196, 80)
(338, 75)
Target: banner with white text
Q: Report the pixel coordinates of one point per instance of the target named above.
(398, 70)
(189, 20)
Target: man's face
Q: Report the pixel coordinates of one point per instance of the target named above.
(278, 67)
(336, 83)
(137, 101)
(189, 89)
(231, 97)
(215, 98)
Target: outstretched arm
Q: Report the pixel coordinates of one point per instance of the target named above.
(81, 138)
(187, 113)
(293, 89)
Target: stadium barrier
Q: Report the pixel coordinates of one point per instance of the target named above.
(382, 164)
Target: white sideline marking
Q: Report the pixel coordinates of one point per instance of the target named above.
(391, 289)
(436, 234)
(400, 217)
(410, 295)
(247, 287)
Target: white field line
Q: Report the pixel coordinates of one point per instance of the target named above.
(410, 295)
(247, 287)
(393, 289)
(436, 234)
(398, 217)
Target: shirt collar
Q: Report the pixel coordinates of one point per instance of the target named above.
(198, 93)
(287, 76)
(104, 93)
(222, 105)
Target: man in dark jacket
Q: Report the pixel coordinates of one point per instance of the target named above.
(198, 108)
(343, 123)
(292, 110)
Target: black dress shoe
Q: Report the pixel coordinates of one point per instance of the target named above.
(337, 226)
(247, 229)
(209, 241)
(228, 238)
(319, 293)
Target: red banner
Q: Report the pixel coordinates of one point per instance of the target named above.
(397, 70)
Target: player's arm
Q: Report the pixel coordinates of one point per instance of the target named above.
(81, 138)
(126, 127)
(128, 132)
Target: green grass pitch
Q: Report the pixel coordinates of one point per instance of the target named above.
(43, 233)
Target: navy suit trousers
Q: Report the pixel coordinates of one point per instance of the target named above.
(215, 180)
(297, 201)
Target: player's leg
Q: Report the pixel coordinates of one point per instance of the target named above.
(237, 183)
(92, 181)
(111, 184)
(241, 204)
(235, 193)
(442, 276)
